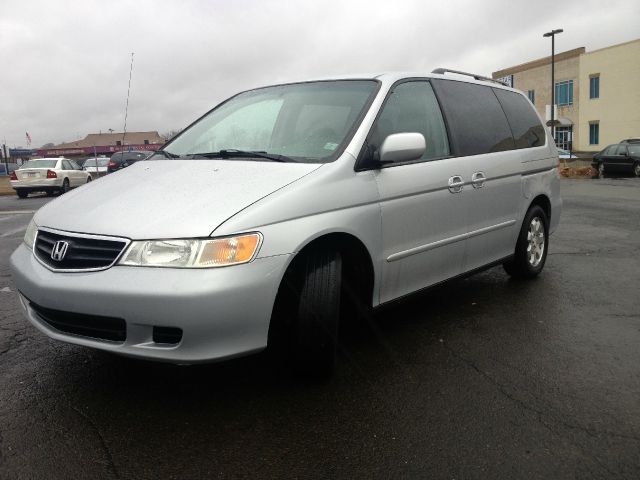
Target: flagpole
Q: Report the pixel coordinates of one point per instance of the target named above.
(126, 108)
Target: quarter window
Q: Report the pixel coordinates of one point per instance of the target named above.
(594, 86)
(525, 124)
(475, 118)
(594, 133)
(564, 93)
(412, 108)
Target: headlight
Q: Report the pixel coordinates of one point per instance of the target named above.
(30, 234)
(196, 253)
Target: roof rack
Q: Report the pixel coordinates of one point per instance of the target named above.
(442, 71)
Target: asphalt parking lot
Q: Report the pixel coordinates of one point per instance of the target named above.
(482, 378)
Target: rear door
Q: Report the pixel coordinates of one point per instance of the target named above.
(481, 134)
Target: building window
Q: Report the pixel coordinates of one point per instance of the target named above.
(564, 137)
(532, 95)
(146, 142)
(118, 142)
(594, 133)
(564, 93)
(594, 86)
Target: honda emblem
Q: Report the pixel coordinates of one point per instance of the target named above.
(59, 250)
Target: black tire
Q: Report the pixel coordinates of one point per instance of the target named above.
(88, 179)
(304, 328)
(524, 264)
(601, 170)
(22, 193)
(636, 169)
(65, 186)
(50, 193)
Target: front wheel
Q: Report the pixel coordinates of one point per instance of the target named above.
(307, 313)
(601, 170)
(531, 249)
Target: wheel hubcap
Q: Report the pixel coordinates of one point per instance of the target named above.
(535, 242)
(637, 170)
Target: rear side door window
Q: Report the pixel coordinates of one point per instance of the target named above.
(477, 123)
(412, 107)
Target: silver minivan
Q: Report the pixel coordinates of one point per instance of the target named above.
(288, 209)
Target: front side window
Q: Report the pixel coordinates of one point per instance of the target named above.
(412, 108)
(305, 122)
(564, 93)
(594, 86)
(594, 133)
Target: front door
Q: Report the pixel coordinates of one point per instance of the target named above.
(423, 216)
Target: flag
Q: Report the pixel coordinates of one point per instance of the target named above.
(28, 138)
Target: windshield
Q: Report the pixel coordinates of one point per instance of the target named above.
(39, 164)
(308, 122)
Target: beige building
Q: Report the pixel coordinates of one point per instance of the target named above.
(597, 94)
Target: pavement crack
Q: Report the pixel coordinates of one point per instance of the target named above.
(103, 443)
(540, 413)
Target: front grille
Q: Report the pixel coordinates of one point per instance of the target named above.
(93, 326)
(82, 253)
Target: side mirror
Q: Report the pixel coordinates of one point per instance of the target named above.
(402, 147)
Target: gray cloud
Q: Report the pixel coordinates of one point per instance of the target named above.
(66, 63)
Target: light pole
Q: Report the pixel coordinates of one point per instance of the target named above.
(553, 34)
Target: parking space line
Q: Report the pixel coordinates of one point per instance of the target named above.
(13, 231)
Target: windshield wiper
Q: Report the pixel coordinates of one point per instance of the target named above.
(167, 154)
(234, 153)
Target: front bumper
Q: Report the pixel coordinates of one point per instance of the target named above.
(223, 312)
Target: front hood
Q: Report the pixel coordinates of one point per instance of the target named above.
(168, 199)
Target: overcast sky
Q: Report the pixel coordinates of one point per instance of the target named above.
(65, 64)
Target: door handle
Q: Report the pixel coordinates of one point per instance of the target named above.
(477, 179)
(456, 183)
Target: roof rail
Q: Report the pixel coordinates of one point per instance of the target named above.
(477, 77)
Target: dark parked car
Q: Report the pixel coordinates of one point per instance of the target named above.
(618, 158)
(121, 160)
(631, 140)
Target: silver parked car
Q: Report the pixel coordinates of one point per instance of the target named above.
(274, 214)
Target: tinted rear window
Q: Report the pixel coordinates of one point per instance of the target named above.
(525, 125)
(475, 118)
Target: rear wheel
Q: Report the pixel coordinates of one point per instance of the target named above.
(636, 169)
(22, 193)
(88, 179)
(531, 249)
(65, 186)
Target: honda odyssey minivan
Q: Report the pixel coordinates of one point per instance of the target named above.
(286, 205)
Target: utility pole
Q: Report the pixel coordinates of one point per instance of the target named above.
(553, 34)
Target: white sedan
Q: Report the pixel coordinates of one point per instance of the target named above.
(48, 175)
(96, 166)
